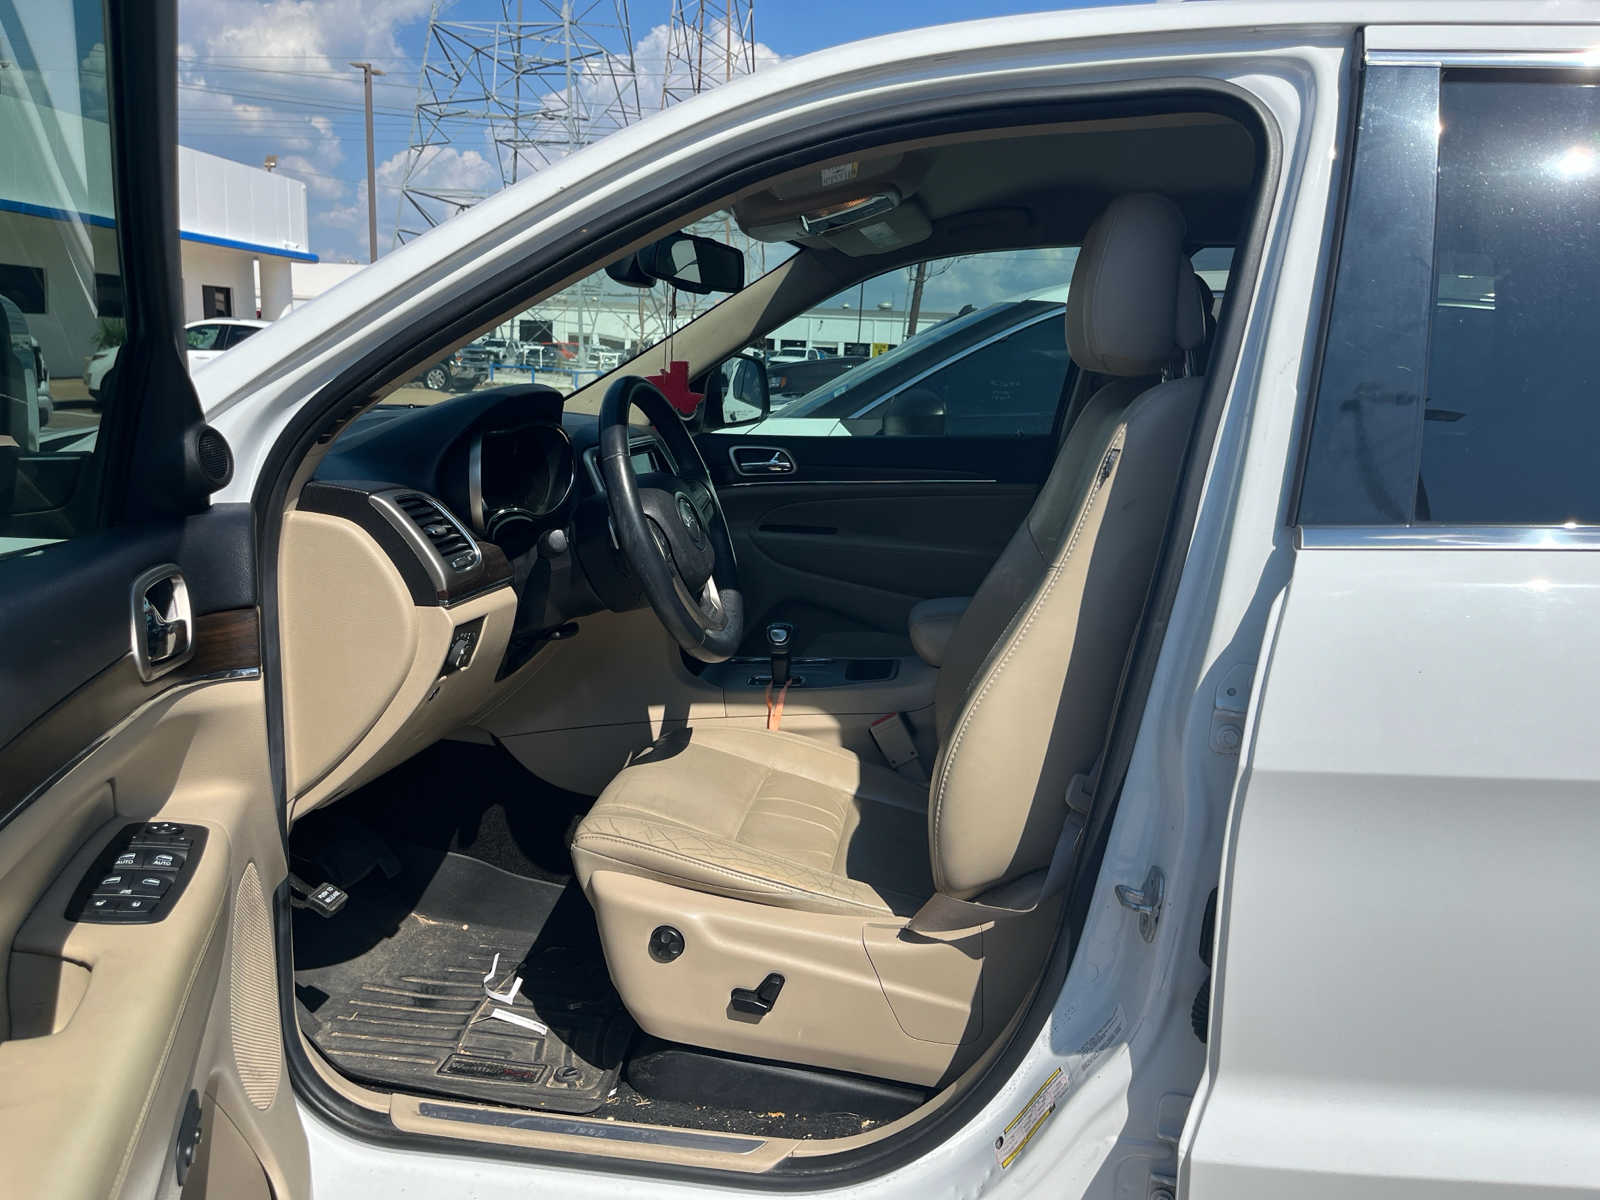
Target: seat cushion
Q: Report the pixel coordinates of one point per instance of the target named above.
(764, 816)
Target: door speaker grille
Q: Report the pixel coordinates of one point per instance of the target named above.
(257, 1038)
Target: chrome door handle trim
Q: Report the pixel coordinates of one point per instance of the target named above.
(162, 621)
(746, 460)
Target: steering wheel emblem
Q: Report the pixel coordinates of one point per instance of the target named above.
(691, 521)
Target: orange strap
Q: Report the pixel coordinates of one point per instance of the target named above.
(775, 710)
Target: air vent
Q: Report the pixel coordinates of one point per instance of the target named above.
(448, 538)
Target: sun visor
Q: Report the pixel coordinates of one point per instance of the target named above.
(905, 226)
(875, 186)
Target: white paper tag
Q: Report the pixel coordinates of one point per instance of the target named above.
(511, 1018)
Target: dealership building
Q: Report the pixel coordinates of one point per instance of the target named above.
(240, 229)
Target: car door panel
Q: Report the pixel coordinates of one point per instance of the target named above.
(846, 561)
(110, 1027)
(865, 527)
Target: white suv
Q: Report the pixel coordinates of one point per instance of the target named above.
(1153, 755)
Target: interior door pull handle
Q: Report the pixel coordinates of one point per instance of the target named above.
(163, 621)
(762, 460)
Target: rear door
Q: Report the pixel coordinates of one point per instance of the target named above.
(139, 842)
(902, 477)
(1406, 953)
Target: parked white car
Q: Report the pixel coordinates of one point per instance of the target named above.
(206, 341)
(1152, 756)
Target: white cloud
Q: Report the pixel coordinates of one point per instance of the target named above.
(252, 73)
(237, 56)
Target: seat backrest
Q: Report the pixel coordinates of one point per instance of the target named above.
(1030, 673)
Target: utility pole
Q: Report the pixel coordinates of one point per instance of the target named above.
(919, 276)
(367, 72)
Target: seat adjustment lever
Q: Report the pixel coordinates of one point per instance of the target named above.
(760, 1001)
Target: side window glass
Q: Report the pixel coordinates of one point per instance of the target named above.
(60, 275)
(237, 334)
(1460, 369)
(1512, 423)
(973, 346)
(204, 337)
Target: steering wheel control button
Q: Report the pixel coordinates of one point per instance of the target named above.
(666, 944)
(133, 882)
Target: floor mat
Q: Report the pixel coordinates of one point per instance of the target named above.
(498, 811)
(394, 987)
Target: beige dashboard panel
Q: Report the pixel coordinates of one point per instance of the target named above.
(363, 688)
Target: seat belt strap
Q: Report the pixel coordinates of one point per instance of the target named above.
(945, 916)
(892, 735)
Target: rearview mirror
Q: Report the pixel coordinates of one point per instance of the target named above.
(693, 264)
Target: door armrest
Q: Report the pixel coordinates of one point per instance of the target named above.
(931, 624)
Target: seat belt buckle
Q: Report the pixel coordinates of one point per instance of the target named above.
(893, 738)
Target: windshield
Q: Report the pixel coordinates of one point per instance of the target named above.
(568, 340)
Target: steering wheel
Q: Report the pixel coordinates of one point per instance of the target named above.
(670, 528)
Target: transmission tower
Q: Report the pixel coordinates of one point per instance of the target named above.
(708, 42)
(547, 78)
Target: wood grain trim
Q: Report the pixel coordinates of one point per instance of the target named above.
(224, 641)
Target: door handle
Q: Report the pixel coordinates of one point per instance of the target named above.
(163, 621)
(762, 460)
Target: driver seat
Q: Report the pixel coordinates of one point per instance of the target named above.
(762, 893)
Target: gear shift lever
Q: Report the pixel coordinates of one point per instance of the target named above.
(780, 639)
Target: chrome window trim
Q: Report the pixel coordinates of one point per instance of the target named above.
(1447, 537)
(1570, 59)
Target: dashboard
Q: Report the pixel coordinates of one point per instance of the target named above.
(502, 473)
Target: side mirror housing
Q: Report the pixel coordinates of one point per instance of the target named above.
(737, 393)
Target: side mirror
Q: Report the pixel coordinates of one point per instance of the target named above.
(737, 393)
(917, 412)
(692, 264)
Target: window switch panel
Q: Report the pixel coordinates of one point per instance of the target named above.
(139, 876)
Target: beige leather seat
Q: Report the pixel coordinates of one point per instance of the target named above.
(907, 921)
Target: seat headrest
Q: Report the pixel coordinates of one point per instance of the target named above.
(1134, 307)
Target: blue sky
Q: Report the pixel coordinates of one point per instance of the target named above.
(261, 77)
